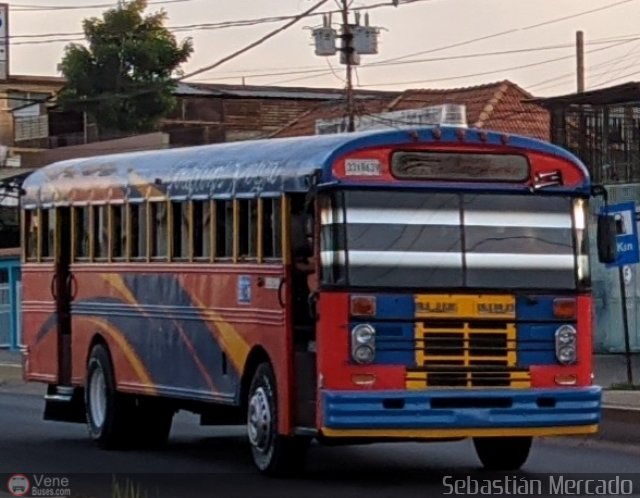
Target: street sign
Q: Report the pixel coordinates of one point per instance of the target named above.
(627, 233)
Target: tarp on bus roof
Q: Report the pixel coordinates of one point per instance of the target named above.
(248, 168)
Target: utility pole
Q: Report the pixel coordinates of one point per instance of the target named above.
(348, 54)
(580, 60)
(356, 40)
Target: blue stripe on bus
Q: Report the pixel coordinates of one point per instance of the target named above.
(536, 344)
(535, 308)
(395, 344)
(493, 408)
(398, 307)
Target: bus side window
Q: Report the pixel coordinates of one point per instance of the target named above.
(31, 235)
(138, 219)
(202, 230)
(100, 233)
(47, 233)
(247, 229)
(159, 230)
(118, 232)
(82, 230)
(224, 229)
(272, 228)
(180, 230)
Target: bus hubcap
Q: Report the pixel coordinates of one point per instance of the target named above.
(259, 420)
(98, 397)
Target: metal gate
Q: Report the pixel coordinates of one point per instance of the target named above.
(6, 325)
(10, 287)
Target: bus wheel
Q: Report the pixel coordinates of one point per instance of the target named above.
(502, 453)
(273, 454)
(108, 413)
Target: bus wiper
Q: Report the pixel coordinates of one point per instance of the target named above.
(547, 179)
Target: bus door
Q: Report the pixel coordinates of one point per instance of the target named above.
(62, 289)
(302, 296)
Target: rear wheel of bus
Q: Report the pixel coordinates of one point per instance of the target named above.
(117, 420)
(502, 453)
(273, 454)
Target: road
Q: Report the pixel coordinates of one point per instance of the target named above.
(205, 461)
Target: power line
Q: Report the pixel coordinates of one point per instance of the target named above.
(256, 43)
(420, 61)
(45, 8)
(485, 73)
(473, 74)
(513, 30)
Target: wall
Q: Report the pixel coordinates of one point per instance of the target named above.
(151, 141)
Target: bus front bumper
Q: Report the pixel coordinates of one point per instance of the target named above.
(460, 413)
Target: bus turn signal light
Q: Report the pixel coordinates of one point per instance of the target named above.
(363, 306)
(564, 307)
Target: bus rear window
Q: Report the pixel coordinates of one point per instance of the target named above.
(457, 166)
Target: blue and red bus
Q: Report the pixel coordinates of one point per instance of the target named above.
(428, 284)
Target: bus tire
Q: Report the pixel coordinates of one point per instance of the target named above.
(502, 453)
(273, 454)
(109, 413)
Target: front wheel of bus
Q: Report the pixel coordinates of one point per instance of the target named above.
(273, 454)
(108, 412)
(502, 453)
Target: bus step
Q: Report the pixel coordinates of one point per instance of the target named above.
(305, 431)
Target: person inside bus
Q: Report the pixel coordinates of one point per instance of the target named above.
(304, 263)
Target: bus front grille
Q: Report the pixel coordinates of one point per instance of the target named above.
(466, 354)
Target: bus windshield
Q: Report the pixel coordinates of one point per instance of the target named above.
(408, 239)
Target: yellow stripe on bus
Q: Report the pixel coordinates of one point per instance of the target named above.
(127, 350)
(230, 341)
(465, 306)
(453, 433)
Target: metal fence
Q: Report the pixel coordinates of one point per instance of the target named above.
(607, 302)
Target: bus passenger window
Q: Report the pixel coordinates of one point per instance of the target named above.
(180, 230)
(100, 233)
(118, 232)
(271, 229)
(82, 228)
(31, 235)
(47, 234)
(201, 229)
(158, 230)
(248, 229)
(138, 231)
(224, 229)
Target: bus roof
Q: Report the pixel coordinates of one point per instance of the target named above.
(247, 168)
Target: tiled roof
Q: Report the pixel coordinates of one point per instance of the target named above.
(498, 106)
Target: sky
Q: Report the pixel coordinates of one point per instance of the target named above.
(538, 36)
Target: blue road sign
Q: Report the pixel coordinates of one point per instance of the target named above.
(627, 238)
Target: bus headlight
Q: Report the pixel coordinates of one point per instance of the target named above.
(363, 343)
(566, 341)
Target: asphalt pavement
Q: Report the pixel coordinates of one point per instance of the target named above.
(205, 461)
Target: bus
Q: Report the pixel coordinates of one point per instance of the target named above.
(426, 284)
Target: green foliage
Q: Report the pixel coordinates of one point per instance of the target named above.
(124, 77)
(128, 490)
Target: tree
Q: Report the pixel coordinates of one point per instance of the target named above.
(123, 78)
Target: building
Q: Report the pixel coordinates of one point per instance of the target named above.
(501, 106)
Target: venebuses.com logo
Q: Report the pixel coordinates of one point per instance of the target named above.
(38, 485)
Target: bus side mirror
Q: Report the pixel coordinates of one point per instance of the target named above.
(607, 232)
